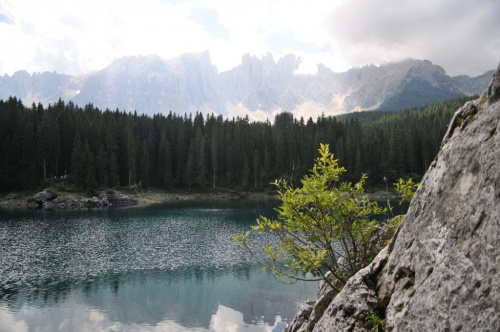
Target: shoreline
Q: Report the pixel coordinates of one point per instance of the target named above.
(137, 200)
(145, 199)
(150, 198)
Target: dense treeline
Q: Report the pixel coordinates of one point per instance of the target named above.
(113, 148)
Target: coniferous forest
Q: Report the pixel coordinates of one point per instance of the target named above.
(105, 149)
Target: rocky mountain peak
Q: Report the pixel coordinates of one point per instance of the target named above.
(136, 61)
(266, 66)
(21, 74)
(259, 87)
(197, 60)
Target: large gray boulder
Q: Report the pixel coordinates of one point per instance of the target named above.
(42, 197)
(117, 198)
(11, 196)
(444, 271)
(441, 271)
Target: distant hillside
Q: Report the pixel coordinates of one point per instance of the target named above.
(259, 87)
(417, 93)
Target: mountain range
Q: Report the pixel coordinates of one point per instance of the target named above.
(259, 87)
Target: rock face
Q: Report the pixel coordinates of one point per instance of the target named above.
(441, 271)
(311, 311)
(151, 85)
(45, 87)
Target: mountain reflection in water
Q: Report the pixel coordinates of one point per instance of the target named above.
(167, 267)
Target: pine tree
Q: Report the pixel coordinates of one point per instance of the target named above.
(161, 164)
(245, 179)
(167, 172)
(190, 166)
(4, 158)
(78, 171)
(48, 144)
(131, 149)
(214, 145)
(113, 173)
(144, 165)
(281, 155)
(29, 177)
(229, 165)
(181, 149)
(88, 162)
(267, 166)
(201, 158)
(101, 164)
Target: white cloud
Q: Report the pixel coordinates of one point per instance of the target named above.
(229, 320)
(79, 36)
(86, 318)
(460, 35)
(11, 322)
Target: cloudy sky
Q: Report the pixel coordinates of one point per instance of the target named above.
(78, 36)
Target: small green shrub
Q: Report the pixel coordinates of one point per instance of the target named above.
(406, 189)
(484, 96)
(377, 324)
(461, 119)
(323, 226)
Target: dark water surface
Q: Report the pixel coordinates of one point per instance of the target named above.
(168, 267)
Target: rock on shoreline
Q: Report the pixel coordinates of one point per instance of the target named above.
(49, 200)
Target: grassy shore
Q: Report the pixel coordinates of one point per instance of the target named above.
(152, 197)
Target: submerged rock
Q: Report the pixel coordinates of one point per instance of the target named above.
(441, 271)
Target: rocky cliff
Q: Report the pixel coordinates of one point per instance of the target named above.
(151, 85)
(441, 271)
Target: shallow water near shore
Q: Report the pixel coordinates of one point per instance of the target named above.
(166, 267)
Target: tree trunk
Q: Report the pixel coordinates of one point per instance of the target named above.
(7, 170)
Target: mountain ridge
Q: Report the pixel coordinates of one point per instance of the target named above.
(259, 87)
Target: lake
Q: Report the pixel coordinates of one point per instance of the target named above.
(168, 267)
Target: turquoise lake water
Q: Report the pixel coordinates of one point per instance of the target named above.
(169, 267)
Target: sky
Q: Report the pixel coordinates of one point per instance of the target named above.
(80, 36)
